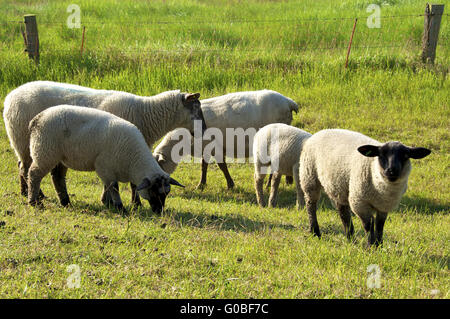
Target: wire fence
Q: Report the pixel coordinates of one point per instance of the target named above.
(302, 39)
(90, 23)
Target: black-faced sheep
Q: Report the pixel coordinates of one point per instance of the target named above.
(87, 139)
(154, 116)
(359, 175)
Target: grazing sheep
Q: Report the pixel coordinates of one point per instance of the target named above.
(154, 116)
(277, 146)
(246, 110)
(358, 174)
(85, 139)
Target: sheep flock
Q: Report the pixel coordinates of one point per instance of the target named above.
(56, 126)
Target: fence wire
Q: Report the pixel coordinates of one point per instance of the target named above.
(257, 25)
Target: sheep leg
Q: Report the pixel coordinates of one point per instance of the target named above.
(106, 197)
(269, 181)
(24, 166)
(202, 182)
(259, 182)
(35, 176)
(380, 219)
(273, 198)
(289, 180)
(346, 217)
(59, 182)
(224, 168)
(112, 197)
(117, 201)
(135, 199)
(22, 178)
(300, 195)
(368, 224)
(312, 196)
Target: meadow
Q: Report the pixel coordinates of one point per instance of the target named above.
(217, 243)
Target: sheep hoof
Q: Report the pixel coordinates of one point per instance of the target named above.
(317, 233)
(41, 195)
(230, 185)
(272, 204)
(122, 210)
(261, 204)
(200, 186)
(300, 205)
(289, 180)
(137, 204)
(65, 202)
(36, 203)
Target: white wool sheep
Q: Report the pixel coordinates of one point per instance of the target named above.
(87, 139)
(277, 146)
(154, 116)
(246, 110)
(358, 174)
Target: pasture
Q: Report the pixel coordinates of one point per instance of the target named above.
(217, 243)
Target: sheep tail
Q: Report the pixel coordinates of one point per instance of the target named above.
(292, 105)
(34, 122)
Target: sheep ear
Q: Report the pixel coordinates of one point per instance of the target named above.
(174, 182)
(145, 184)
(418, 152)
(369, 150)
(191, 96)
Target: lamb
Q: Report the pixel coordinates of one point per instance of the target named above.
(359, 175)
(278, 146)
(154, 116)
(85, 139)
(246, 110)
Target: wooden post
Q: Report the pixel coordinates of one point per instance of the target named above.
(82, 41)
(433, 15)
(31, 37)
(350, 43)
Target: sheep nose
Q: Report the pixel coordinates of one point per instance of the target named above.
(390, 171)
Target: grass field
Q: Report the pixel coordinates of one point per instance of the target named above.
(218, 243)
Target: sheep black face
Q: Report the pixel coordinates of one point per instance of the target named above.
(156, 191)
(192, 103)
(393, 158)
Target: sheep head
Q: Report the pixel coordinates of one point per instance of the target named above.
(393, 158)
(155, 190)
(192, 104)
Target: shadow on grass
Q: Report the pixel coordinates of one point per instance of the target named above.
(442, 261)
(237, 195)
(233, 222)
(424, 205)
(181, 218)
(287, 197)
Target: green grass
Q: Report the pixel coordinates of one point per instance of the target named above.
(218, 243)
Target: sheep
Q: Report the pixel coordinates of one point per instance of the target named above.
(278, 146)
(86, 139)
(359, 175)
(154, 116)
(246, 110)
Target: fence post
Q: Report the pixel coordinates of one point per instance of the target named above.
(82, 41)
(433, 15)
(350, 43)
(31, 37)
